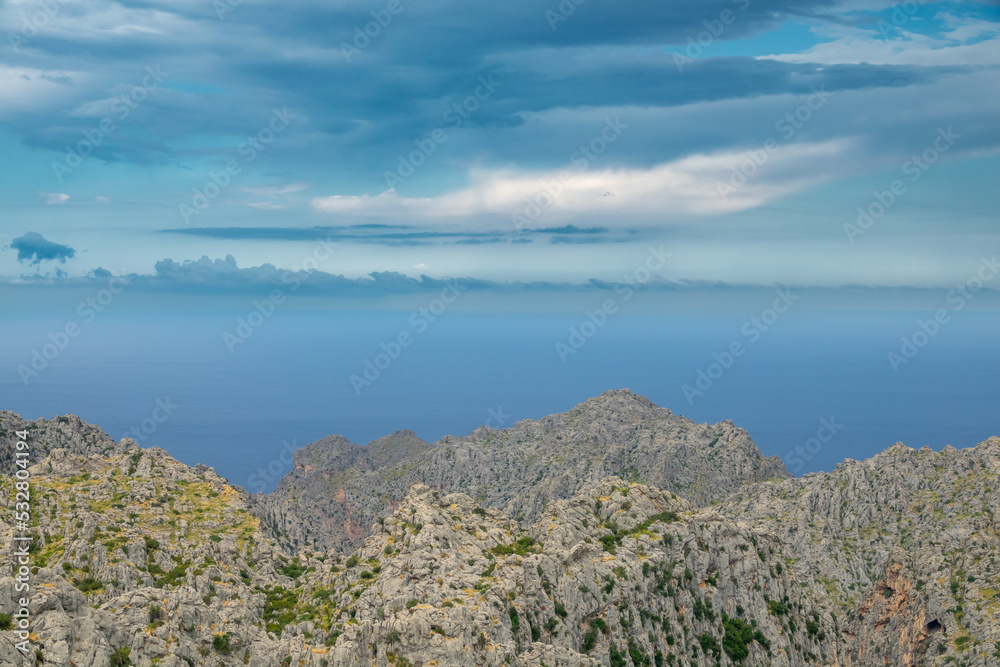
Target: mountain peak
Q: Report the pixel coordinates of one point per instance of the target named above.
(617, 399)
(519, 469)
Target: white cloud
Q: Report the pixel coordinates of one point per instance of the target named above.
(674, 190)
(965, 30)
(852, 46)
(54, 197)
(95, 108)
(27, 90)
(274, 190)
(132, 29)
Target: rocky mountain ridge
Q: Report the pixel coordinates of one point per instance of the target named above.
(336, 489)
(142, 560)
(906, 545)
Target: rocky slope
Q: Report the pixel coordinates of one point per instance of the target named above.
(336, 489)
(906, 545)
(141, 560)
(138, 551)
(619, 573)
(62, 432)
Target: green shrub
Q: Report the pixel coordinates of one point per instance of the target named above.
(120, 658)
(88, 584)
(521, 547)
(294, 570)
(155, 613)
(738, 636)
(709, 644)
(589, 639)
(638, 657)
(221, 644)
(173, 577)
(279, 608)
(777, 608)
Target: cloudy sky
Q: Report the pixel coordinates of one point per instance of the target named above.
(757, 141)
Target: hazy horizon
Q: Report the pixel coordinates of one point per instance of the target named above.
(247, 206)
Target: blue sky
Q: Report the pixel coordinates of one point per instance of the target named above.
(504, 142)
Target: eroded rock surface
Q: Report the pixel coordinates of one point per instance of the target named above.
(143, 560)
(336, 489)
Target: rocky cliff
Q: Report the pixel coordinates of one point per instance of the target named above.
(141, 560)
(905, 545)
(336, 489)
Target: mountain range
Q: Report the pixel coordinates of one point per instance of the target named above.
(615, 534)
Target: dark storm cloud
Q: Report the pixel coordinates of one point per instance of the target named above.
(399, 86)
(389, 234)
(34, 248)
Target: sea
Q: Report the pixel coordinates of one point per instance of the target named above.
(813, 388)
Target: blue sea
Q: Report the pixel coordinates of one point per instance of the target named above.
(289, 383)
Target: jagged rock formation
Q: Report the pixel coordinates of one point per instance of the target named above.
(618, 570)
(336, 489)
(906, 545)
(137, 550)
(142, 560)
(67, 432)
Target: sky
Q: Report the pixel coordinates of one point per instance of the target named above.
(179, 173)
(207, 145)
